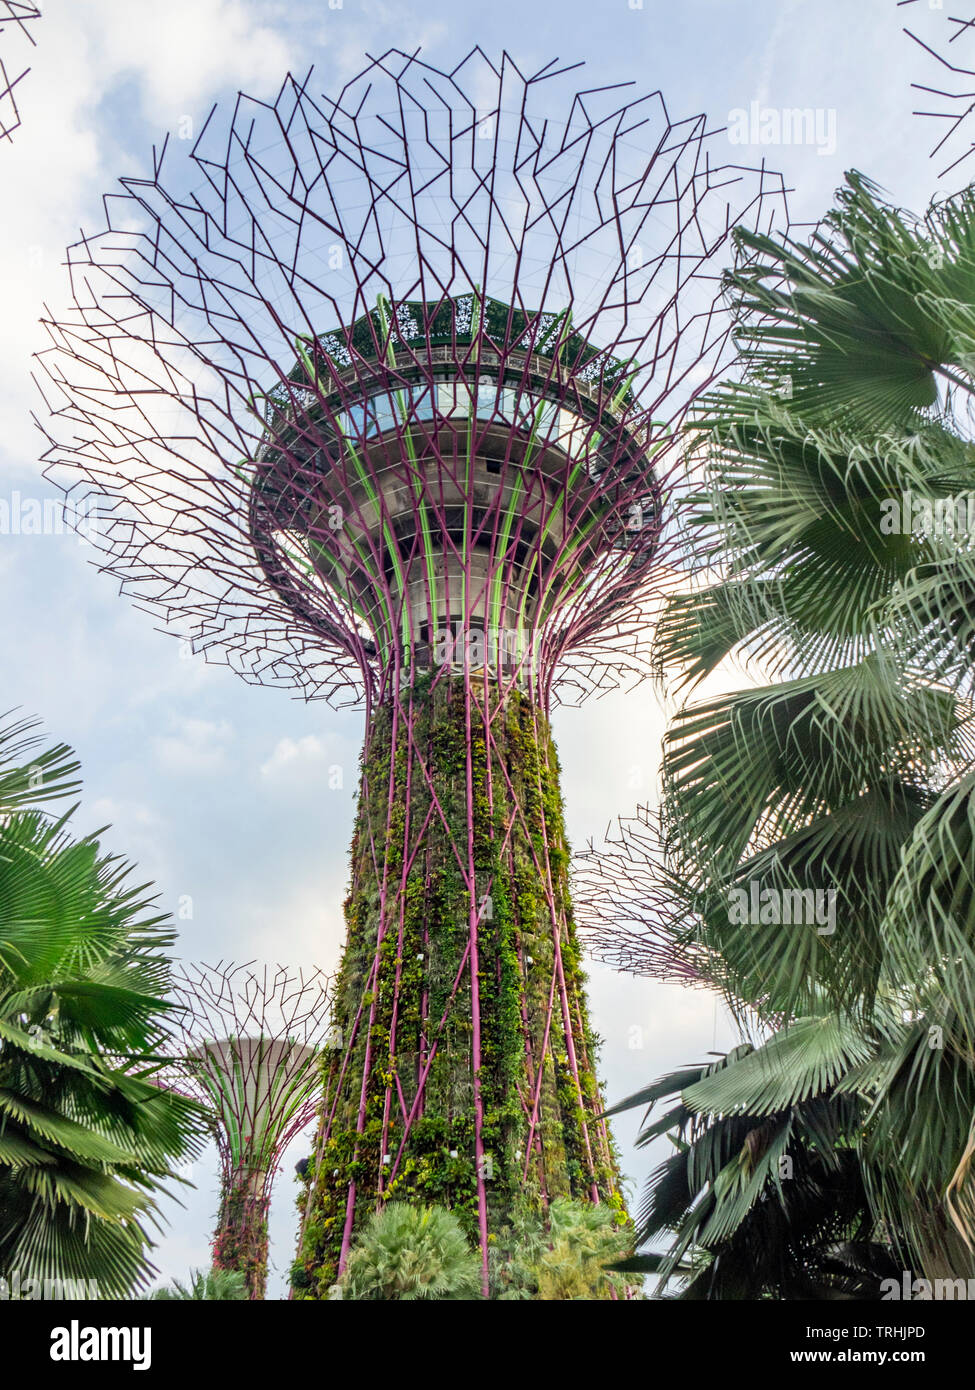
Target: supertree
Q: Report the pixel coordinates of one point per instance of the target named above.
(247, 1049)
(381, 402)
(950, 41)
(14, 18)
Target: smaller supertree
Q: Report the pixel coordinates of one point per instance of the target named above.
(249, 1048)
(14, 17)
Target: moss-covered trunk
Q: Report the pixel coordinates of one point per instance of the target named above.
(475, 1089)
(241, 1239)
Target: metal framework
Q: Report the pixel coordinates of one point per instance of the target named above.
(631, 912)
(248, 1045)
(379, 398)
(15, 15)
(950, 41)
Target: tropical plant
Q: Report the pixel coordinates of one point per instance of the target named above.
(564, 1255)
(87, 1139)
(412, 1252)
(837, 561)
(764, 1195)
(211, 1285)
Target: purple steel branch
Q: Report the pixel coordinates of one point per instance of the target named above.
(181, 332)
(958, 102)
(14, 15)
(632, 912)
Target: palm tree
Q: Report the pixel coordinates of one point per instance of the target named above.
(210, 1285)
(87, 1140)
(409, 1252)
(764, 1195)
(850, 770)
(567, 1254)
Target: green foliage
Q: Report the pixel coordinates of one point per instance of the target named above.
(519, 848)
(764, 1195)
(87, 1139)
(411, 1252)
(212, 1285)
(850, 767)
(240, 1244)
(565, 1256)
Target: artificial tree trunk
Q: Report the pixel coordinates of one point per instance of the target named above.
(241, 1239)
(463, 1071)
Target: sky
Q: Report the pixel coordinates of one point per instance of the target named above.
(219, 791)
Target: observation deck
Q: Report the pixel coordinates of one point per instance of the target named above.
(446, 483)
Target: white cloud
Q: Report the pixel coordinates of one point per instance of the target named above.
(133, 830)
(299, 922)
(66, 154)
(107, 811)
(290, 753)
(196, 746)
(610, 754)
(312, 763)
(184, 50)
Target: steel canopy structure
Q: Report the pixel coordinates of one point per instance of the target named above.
(633, 913)
(15, 15)
(380, 401)
(949, 42)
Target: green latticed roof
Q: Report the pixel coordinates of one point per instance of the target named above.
(444, 322)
